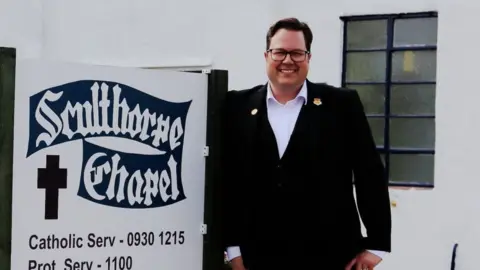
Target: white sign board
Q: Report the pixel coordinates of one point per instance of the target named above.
(108, 168)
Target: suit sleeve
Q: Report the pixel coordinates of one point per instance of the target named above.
(371, 184)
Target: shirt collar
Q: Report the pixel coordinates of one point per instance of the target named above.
(301, 95)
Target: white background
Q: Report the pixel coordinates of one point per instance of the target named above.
(80, 216)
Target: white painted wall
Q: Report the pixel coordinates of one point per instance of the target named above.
(151, 33)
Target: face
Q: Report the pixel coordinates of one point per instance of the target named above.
(287, 74)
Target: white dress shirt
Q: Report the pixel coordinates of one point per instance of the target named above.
(282, 118)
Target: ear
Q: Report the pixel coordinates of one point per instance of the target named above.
(265, 54)
(309, 57)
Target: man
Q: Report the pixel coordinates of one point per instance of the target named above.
(292, 149)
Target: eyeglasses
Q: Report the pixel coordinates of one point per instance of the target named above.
(295, 55)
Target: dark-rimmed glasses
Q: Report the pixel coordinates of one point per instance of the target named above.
(281, 54)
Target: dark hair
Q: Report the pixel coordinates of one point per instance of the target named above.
(291, 24)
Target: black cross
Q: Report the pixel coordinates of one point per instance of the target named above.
(52, 178)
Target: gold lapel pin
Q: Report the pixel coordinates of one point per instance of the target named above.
(254, 111)
(317, 101)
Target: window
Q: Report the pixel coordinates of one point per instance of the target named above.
(391, 61)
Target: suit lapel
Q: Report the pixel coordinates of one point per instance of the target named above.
(320, 120)
(253, 111)
(312, 126)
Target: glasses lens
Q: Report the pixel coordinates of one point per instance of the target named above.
(297, 56)
(278, 54)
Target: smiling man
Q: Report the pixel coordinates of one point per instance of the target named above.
(292, 148)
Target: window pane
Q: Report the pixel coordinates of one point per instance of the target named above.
(372, 96)
(414, 66)
(411, 168)
(413, 99)
(412, 133)
(377, 125)
(365, 67)
(367, 35)
(424, 34)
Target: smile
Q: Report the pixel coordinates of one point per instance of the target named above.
(288, 70)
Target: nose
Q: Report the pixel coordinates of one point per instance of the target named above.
(288, 59)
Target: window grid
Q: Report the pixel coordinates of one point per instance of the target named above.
(386, 150)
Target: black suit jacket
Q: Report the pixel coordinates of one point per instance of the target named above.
(341, 146)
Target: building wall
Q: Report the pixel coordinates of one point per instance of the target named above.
(426, 223)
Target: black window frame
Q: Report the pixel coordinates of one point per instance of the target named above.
(386, 149)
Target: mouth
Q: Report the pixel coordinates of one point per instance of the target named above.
(288, 70)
